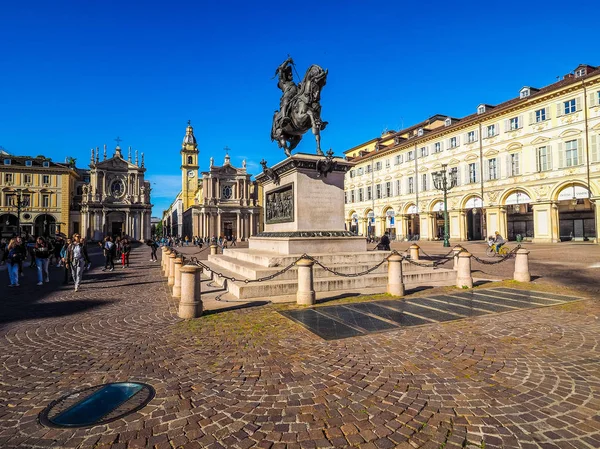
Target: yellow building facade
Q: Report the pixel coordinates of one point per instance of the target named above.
(528, 168)
(47, 189)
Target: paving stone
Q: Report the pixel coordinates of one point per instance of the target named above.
(252, 378)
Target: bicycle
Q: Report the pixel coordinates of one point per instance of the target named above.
(491, 250)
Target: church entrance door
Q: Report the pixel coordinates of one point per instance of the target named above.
(117, 228)
(228, 229)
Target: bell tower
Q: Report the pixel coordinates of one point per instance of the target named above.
(189, 167)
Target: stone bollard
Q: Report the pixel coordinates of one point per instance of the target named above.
(171, 276)
(414, 251)
(306, 289)
(213, 250)
(177, 278)
(457, 249)
(163, 250)
(521, 273)
(463, 273)
(165, 262)
(190, 304)
(395, 284)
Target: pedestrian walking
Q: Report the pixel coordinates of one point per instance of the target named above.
(42, 252)
(77, 258)
(13, 258)
(63, 259)
(109, 253)
(125, 250)
(233, 240)
(22, 250)
(153, 247)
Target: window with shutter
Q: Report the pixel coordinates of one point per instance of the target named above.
(578, 104)
(579, 151)
(559, 109)
(594, 148)
(561, 155)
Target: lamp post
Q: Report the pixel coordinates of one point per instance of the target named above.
(20, 202)
(445, 180)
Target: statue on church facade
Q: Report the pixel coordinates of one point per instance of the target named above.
(299, 107)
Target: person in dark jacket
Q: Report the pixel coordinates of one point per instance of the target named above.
(153, 247)
(22, 250)
(125, 250)
(42, 252)
(384, 243)
(109, 250)
(13, 258)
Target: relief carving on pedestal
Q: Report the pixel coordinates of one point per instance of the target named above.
(279, 205)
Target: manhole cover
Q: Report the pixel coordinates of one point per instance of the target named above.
(97, 405)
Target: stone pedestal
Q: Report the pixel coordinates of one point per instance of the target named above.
(521, 273)
(306, 290)
(304, 208)
(190, 305)
(213, 249)
(171, 277)
(177, 279)
(395, 284)
(414, 251)
(464, 279)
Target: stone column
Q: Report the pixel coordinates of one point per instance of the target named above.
(521, 273)
(395, 284)
(242, 235)
(457, 249)
(462, 226)
(463, 274)
(171, 277)
(163, 257)
(306, 290)
(190, 305)
(238, 224)
(414, 251)
(252, 230)
(219, 224)
(177, 279)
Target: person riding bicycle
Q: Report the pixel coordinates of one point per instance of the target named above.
(498, 241)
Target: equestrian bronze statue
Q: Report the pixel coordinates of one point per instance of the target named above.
(299, 107)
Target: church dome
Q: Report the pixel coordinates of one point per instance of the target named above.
(189, 138)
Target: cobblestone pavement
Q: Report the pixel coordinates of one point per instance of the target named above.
(252, 378)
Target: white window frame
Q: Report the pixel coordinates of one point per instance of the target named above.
(491, 128)
(547, 158)
(571, 148)
(471, 136)
(27, 178)
(514, 123)
(45, 164)
(514, 160)
(411, 185)
(472, 172)
(437, 147)
(46, 179)
(388, 189)
(28, 163)
(7, 161)
(369, 193)
(45, 200)
(424, 182)
(570, 106)
(352, 196)
(378, 192)
(387, 163)
(8, 177)
(360, 195)
(492, 168)
(398, 187)
(540, 115)
(453, 142)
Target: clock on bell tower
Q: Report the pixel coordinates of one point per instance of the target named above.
(189, 167)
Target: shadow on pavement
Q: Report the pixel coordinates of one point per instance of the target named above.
(49, 309)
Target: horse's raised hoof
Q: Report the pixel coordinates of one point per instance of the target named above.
(287, 152)
(320, 152)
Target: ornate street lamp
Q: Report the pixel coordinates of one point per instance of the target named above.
(20, 202)
(445, 180)
(574, 199)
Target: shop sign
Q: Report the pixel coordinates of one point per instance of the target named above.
(573, 191)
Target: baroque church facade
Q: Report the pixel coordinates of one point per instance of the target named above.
(116, 199)
(222, 201)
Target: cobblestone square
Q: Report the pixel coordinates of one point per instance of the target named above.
(253, 378)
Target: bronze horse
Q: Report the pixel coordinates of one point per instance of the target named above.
(300, 108)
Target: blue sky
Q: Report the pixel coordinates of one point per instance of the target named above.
(75, 75)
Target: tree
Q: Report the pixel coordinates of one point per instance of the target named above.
(159, 229)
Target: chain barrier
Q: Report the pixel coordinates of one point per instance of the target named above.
(494, 262)
(347, 275)
(445, 256)
(195, 261)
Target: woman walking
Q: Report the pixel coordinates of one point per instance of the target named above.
(153, 247)
(13, 258)
(42, 260)
(125, 250)
(77, 258)
(63, 260)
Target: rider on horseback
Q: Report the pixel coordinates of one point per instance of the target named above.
(289, 88)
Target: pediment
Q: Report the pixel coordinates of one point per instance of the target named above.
(387, 178)
(116, 163)
(596, 127)
(490, 153)
(569, 133)
(539, 139)
(514, 146)
(471, 157)
(453, 161)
